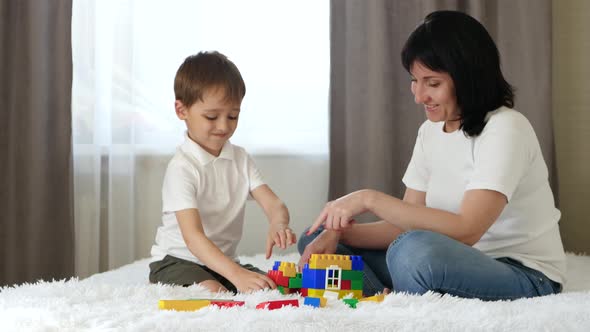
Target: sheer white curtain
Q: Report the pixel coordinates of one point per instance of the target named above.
(125, 56)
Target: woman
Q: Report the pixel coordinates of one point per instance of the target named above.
(478, 218)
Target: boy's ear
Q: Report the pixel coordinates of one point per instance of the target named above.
(181, 110)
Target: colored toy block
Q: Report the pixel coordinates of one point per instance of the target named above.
(227, 303)
(278, 278)
(276, 265)
(196, 304)
(374, 298)
(317, 261)
(333, 277)
(272, 305)
(330, 295)
(313, 292)
(288, 269)
(303, 292)
(352, 275)
(295, 282)
(346, 284)
(183, 305)
(357, 294)
(313, 278)
(351, 302)
(286, 290)
(356, 284)
(357, 263)
(318, 302)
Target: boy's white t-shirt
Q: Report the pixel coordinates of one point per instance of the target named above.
(217, 187)
(505, 157)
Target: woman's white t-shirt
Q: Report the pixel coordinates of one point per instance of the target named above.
(505, 157)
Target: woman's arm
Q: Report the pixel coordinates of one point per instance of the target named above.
(478, 211)
(380, 234)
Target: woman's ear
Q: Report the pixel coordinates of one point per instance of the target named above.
(181, 110)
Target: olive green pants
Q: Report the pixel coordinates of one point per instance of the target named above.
(176, 271)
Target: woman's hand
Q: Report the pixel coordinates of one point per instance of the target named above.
(324, 243)
(280, 235)
(339, 214)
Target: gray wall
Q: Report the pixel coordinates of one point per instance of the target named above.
(300, 181)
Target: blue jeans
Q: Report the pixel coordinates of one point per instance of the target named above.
(421, 261)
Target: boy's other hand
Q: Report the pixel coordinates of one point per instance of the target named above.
(248, 281)
(279, 235)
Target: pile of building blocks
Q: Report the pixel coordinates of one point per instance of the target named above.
(325, 277)
(334, 275)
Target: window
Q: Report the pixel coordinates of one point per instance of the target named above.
(126, 54)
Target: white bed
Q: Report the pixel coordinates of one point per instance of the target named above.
(123, 300)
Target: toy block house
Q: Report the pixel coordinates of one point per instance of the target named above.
(337, 274)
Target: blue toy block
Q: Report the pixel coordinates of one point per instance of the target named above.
(275, 267)
(313, 278)
(357, 263)
(312, 301)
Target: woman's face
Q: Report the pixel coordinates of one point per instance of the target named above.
(436, 91)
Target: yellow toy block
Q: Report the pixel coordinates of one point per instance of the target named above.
(183, 305)
(288, 269)
(374, 298)
(322, 261)
(312, 292)
(356, 293)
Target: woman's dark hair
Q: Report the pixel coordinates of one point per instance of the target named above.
(456, 43)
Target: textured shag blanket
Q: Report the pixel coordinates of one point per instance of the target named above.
(123, 300)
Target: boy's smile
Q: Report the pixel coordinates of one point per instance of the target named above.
(211, 122)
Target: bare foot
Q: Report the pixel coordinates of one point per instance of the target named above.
(213, 286)
(386, 290)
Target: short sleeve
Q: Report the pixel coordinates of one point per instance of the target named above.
(179, 190)
(417, 174)
(254, 177)
(501, 156)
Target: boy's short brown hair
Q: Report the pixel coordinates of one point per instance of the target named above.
(208, 70)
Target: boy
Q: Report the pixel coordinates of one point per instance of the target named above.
(206, 186)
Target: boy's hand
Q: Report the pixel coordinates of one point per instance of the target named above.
(280, 235)
(248, 281)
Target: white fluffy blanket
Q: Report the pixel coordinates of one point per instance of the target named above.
(122, 300)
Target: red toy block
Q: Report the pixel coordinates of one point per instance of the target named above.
(278, 278)
(227, 304)
(303, 292)
(272, 305)
(345, 284)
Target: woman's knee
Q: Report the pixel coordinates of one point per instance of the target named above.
(410, 244)
(408, 259)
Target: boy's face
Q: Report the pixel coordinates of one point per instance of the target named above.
(211, 122)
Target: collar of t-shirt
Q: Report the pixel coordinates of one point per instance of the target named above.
(204, 157)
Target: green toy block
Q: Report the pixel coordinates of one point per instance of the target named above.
(352, 275)
(351, 302)
(295, 283)
(356, 284)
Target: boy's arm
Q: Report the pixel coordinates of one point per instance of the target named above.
(207, 252)
(278, 217)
